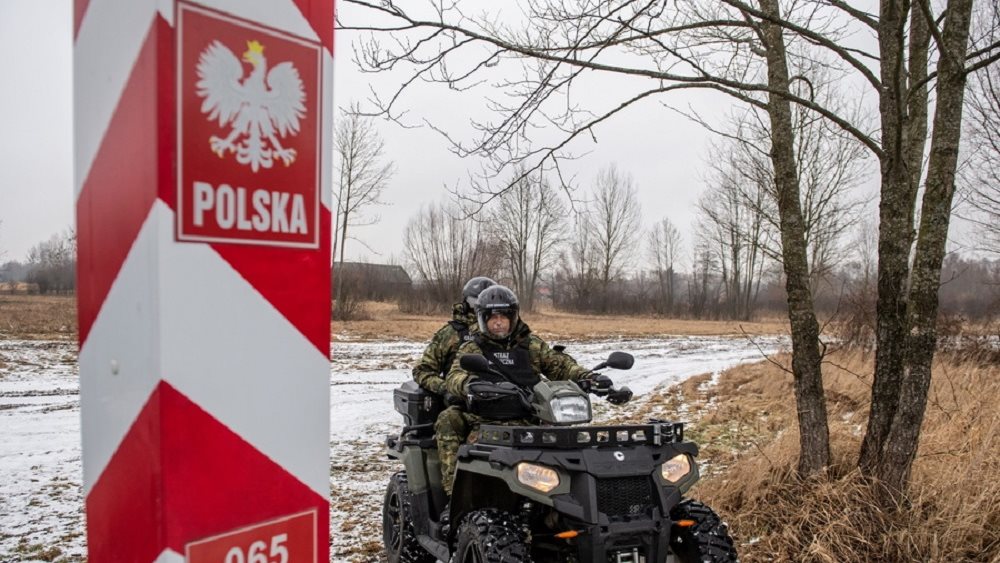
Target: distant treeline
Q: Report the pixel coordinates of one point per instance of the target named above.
(970, 288)
(49, 268)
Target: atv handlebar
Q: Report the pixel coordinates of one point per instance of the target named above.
(618, 396)
(616, 360)
(621, 395)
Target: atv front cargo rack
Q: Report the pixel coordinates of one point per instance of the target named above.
(561, 437)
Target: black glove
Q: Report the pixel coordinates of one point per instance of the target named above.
(594, 382)
(468, 383)
(620, 396)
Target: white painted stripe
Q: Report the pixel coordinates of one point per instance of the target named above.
(110, 38)
(231, 352)
(118, 362)
(166, 11)
(169, 556)
(326, 126)
(217, 341)
(283, 15)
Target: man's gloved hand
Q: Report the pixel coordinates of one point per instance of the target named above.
(620, 396)
(594, 382)
(468, 383)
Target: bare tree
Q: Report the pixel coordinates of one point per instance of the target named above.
(363, 173)
(665, 249)
(981, 173)
(52, 263)
(614, 215)
(779, 186)
(907, 329)
(745, 56)
(446, 249)
(702, 293)
(735, 226)
(855, 324)
(577, 267)
(830, 166)
(528, 222)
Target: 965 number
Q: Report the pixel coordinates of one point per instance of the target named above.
(258, 552)
(286, 539)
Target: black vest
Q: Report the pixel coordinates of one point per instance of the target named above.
(514, 364)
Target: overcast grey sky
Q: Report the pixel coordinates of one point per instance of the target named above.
(662, 150)
(36, 96)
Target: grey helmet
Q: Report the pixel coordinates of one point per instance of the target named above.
(497, 299)
(472, 289)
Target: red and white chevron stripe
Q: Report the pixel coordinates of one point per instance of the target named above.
(204, 368)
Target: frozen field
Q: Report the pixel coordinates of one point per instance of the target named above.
(41, 506)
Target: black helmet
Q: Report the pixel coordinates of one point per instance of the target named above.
(496, 299)
(473, 288)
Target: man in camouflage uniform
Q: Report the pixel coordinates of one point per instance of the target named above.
(432, 368)
(508, 344)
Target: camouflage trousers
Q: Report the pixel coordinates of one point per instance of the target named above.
(453, 427)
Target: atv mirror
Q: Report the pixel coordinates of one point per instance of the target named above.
(620, 360)
(474, 362)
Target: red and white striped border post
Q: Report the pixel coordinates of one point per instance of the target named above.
(204, 359)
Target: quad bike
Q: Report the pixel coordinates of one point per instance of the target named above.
(555, 492)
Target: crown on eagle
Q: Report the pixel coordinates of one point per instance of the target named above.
(255, 47)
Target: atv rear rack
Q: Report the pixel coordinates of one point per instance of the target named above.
(563, 437)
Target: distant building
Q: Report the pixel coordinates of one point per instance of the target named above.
(377, 282)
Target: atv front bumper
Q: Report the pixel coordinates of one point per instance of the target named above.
(625, 542)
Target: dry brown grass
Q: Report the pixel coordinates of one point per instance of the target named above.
(388, 322)
(747, 429)
(46, 317)
(38, 316)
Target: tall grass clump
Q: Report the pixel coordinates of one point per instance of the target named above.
(746, 425)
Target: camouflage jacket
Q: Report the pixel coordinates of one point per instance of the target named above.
(433, 366)
(553, 364)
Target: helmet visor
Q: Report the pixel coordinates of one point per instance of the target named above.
(497, 322)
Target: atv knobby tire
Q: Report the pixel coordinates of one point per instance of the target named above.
(707, 541)
(491, 536)
(401, 544)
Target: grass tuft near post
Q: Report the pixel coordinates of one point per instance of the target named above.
(746, 425)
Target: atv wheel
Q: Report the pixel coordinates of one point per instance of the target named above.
(401, 544)
(491, 536)
(706, 541)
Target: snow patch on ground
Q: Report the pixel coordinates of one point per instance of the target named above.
(41, 503)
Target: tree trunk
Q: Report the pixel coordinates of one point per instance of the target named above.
(900, 448)
(814, 435)
(340, 268)
(895, 238)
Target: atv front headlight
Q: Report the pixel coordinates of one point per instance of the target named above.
(675, 469)
(537, 477)
(572, 408)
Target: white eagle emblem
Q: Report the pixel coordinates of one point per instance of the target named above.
(256, 108)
